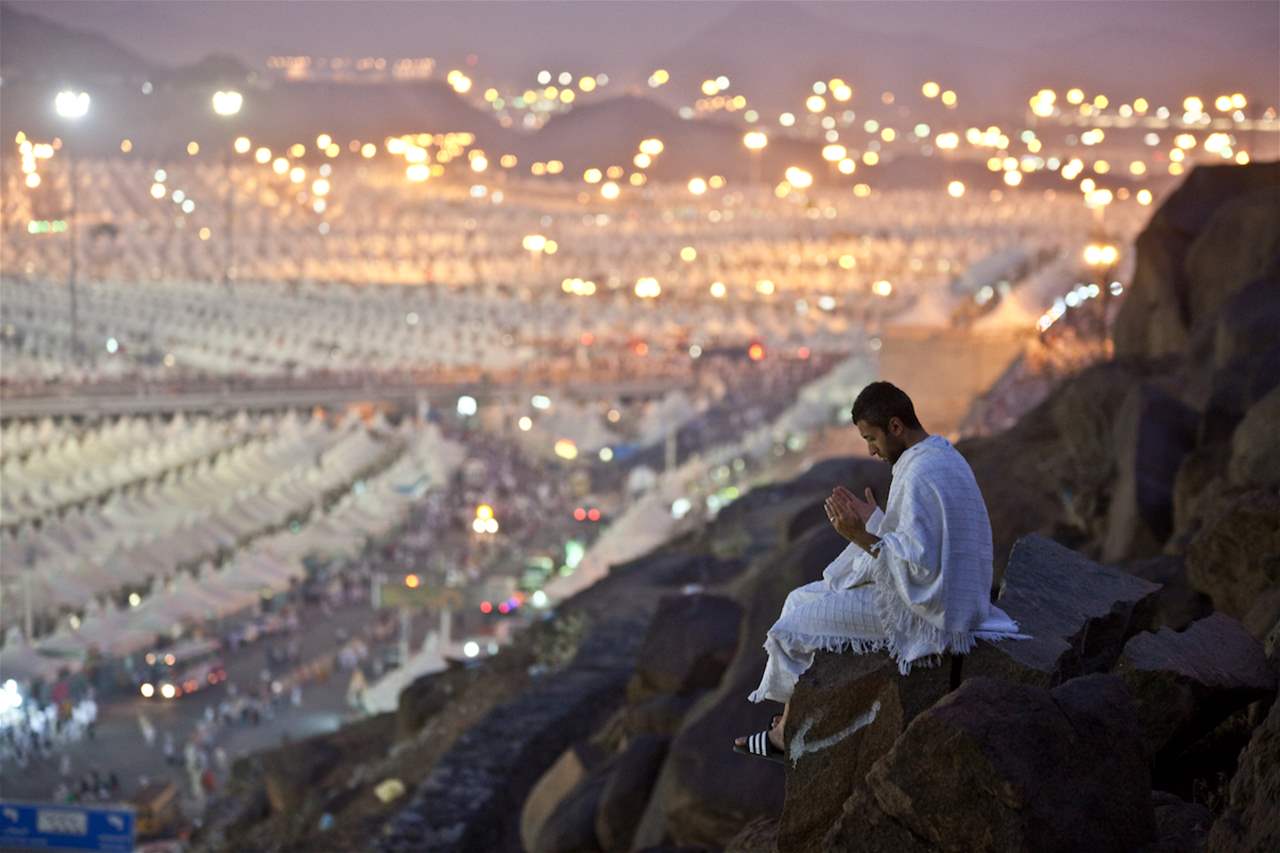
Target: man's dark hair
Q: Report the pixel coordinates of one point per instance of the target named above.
(880, 401)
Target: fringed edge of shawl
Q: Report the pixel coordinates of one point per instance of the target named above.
(898, 619)
(835, 643)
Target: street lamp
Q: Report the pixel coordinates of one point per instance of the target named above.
(227, 104)
(72, 105)
(755, 142)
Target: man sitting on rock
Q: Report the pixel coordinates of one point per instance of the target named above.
(915, 579)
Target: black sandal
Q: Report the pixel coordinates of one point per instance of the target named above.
(758, 745)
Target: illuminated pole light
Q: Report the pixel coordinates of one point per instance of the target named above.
(71, 105)
(755, 141)
(227, 104)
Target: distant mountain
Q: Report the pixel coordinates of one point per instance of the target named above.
(778, 47)
(161, 109)
(31, 47)
(1139, 59)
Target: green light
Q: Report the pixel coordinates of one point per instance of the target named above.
(573, 553)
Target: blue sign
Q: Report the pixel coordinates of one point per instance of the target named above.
(32, 826)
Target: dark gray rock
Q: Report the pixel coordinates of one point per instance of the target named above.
(847, 711)
(998, 766)
(1186, 683)
(471, 799)
(690, 641)
(1159, 308)
(758, 836)
(1263, 624)
(571, 828)
(864, 828)
(1078, 612)
(1235, 556)
(661, 715)
(1255, 445)
(706, 793)
(569, 771)
(1238, 245)
(1177, 604)
(291, 772)
(1247, 322)
(1251, 820)
(1235, 388)
(1181, 827)
(1201, 475)
(1153, 433)
(626, 788)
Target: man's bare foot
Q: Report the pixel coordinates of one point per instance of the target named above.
(775, 734)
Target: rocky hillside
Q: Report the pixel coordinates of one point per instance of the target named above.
(1136, 514)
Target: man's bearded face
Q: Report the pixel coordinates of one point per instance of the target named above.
(887, 444)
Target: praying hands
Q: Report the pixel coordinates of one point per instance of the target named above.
(848, 515)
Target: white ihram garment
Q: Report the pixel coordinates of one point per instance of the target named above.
(926, 593)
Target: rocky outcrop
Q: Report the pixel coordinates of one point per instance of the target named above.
(1079, 614)
(998, 766)
(691, 640)
(1186, 683)
(1235, 556)
(1251, 820)
(1152, 435)
(629, 781)
(846, 713)
(290, 772)
(471, 799)
(1176, 605)
(1238, 245)
(1160, 310)
(567, 773)
(705, 792)
(1255, 446)
(1181, 827)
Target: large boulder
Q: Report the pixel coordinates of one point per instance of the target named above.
(1159, 308)
(998, 766)
(706, 793)
(1235, 556)
(628, 784)
(758, 836)
(1234, 389)
(1246, 322)
(1181, 827)
(1079, 614)
(1251, 820)
(1053, 472)
(660, 715)
(1201, 475)
(1255, 444)
(571, 826)
(291, 772)
(863, 828)
(569, 771)
(1186, 683)
(1153, 433)
(846, 712)
(1177, 604)
(690, 641)
(1239, 244)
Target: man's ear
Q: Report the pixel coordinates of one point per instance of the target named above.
(896, 426)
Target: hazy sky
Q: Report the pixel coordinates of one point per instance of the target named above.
(617, 33)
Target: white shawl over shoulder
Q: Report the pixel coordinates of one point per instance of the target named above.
(934, 570)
